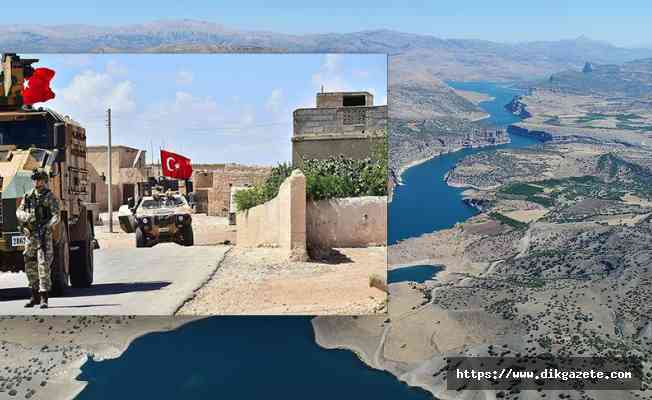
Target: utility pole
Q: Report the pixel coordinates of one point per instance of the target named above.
(110, 182)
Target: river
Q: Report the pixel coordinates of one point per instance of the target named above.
(261, 357)
(425, 203)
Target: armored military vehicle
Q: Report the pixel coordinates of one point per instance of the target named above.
(32, 138)
(160, 216)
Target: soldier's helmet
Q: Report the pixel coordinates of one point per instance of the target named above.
(39, 174)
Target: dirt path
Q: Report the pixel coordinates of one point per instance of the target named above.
(260, 281)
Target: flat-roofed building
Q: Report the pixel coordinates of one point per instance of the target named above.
(342, 123)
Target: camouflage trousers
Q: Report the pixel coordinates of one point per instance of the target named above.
(38, 259)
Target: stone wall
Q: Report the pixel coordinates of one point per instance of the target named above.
(280, 222)
(201, 200)
(202, 179)
(350, 147)
(212, 185)
(339, 121)
(349, 222)
(232, 175)
(321, 133)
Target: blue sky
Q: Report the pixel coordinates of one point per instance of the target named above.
(621, 22)
(209, 107)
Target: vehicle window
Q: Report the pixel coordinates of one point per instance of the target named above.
(39, 155)
(149, 204)
(26, 133)
(164, 202)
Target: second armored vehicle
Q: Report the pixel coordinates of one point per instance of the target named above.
(159, 217)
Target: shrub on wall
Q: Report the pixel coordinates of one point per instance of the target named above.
(335, 177)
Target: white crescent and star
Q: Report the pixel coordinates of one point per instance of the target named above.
(25, 84)
(167, 164)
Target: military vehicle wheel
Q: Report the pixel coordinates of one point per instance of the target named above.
(81, 273)
(188, 236)
(141, 241)
(60, 268)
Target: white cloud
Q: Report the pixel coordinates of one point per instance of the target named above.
(188, 114)
(90, 93)
(329, 76)
(275, 101)
(201, 127)
(330, 83)
(331, 62)
(185, 77)
(210, 131)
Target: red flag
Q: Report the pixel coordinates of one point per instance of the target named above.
(37, 87)
(175, 166)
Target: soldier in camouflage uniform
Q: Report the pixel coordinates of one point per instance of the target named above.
(38, 214)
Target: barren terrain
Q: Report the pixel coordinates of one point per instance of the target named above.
(557, 261)
(261, 281)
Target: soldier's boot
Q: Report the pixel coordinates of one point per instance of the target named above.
(44, 299)
(34, 300)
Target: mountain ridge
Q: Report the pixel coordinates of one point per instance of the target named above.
(152, 34)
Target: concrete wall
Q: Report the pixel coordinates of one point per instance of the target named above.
(324, 148)
(349, 222)
(339, 121)
(321, 133)
(336, 99)
(281, 222)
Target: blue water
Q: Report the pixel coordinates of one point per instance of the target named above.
(425, 203)
(413, 273)
(277, 357)
(239, 358)
(496, 107)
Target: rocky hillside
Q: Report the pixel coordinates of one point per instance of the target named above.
(455, 59)
(634, 177)
(630, 79)
(430, 99)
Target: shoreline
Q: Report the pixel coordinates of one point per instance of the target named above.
(409, 377)
(468, 185)
(74, 386)
(420, 161)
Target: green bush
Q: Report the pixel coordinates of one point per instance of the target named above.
(335, 177)
(248, 198)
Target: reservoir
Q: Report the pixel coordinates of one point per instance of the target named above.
(413, 273)
(425, 203)
(263, 357)
(239, 358)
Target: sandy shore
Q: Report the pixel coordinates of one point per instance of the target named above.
(474, 97)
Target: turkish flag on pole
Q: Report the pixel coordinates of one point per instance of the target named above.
(37, 87)
(175, 166)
